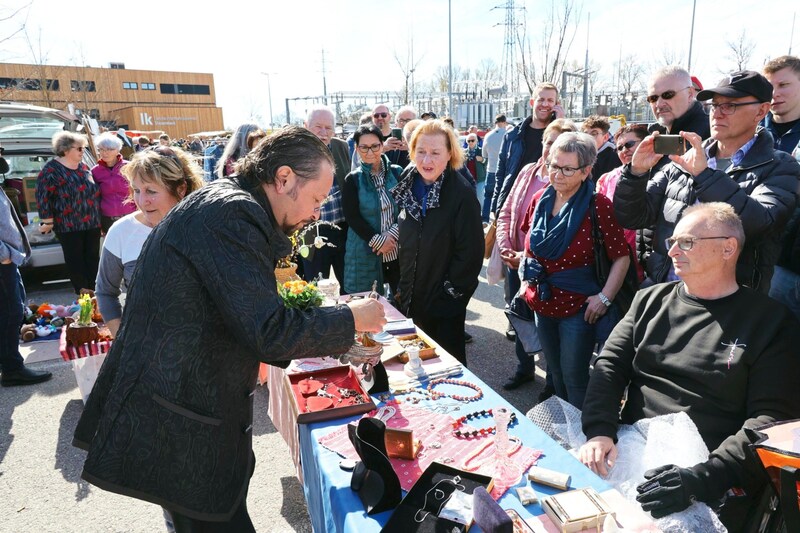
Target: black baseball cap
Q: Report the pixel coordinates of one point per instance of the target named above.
(428, 114)
(739, 84)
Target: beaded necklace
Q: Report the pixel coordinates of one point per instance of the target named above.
(436, 395)
(476, 432)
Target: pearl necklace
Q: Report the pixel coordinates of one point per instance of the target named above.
(436, 395)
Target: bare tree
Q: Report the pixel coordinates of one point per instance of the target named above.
(557, 30)
(488, 75)
(20, 26)
(630, 71)
(670, 56)
(407, 65)
(740, 51)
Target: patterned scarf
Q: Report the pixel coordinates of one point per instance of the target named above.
(403, 193)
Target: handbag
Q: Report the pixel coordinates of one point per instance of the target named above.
(602, 266)
(489, 239)
(523, 320)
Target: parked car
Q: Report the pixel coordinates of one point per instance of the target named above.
(25, 135)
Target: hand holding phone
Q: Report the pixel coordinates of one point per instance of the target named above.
(397, 133)
(670, 145)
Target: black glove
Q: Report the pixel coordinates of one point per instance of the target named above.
(669, 489)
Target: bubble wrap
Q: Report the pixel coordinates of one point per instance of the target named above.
(649, 443)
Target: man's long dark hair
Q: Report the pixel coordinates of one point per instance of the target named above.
(291, 146)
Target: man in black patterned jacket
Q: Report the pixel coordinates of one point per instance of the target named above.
(169, 420)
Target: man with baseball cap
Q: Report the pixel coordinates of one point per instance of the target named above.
(737, 165)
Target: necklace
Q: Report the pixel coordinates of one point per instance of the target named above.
(439, 495)
(476, 432)
(474, 455)
(436, 395)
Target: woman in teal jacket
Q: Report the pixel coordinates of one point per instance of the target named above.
(371, 215)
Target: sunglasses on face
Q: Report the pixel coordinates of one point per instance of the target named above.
(728, 108)
(627, 146)
(687, 243)
(471, 141)
(78, 148)
(666, 95)
(380, 115)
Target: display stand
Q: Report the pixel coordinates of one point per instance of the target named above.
(373, 479)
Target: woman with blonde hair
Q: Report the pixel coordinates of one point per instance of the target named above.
(159, 178)
(440, 237)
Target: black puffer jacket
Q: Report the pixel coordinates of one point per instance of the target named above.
(170, 417)
(443, 250)
(762, 189)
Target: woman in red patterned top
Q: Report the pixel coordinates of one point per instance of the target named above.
(558, 269)
(69, 204)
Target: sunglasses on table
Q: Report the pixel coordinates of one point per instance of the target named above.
(627, 146)
(687, 243)
(666, 95)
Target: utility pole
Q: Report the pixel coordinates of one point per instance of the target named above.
(691, 38)
(791, 37)
(586, 69)
(269, 95)
(324, 82)
(450, 58)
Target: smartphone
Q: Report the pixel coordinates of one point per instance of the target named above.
(397, 133)
(553, 116)
(670, 145)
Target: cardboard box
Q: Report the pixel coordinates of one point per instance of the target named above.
(29, 189)
(342, 377)
(577, 510)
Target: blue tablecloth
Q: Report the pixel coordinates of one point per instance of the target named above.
(335, 508)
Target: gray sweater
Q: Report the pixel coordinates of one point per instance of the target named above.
(13, 241)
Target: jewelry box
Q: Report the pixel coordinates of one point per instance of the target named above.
(426, 350)
(419, 510)
(577, 510)
(328, 394)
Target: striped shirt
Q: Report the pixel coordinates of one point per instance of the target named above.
(388, 226)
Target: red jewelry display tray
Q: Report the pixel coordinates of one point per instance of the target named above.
(336, 379)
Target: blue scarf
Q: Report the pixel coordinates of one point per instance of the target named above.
(551, 236)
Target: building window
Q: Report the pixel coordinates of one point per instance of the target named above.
(130, 85)
(182, 88)
(149, 86)
(28, 84)
(82, 86)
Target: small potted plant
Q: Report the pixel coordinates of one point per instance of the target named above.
(84, 330)
(298, 294)
(286, 268)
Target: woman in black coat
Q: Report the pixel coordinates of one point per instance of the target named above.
(441, 237)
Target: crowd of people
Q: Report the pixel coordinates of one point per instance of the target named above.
(708, 235)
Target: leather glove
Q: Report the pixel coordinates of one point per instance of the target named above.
(669, 489)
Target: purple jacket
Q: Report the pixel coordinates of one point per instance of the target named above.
(114, 189)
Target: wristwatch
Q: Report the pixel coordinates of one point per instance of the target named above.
(604, 299)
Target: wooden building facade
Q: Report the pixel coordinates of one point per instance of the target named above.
(178, 103)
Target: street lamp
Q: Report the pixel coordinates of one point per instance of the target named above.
(269, 94)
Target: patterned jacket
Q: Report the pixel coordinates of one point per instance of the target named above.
(170, 417)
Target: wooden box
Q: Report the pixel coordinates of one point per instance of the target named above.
(577, 510)
(341, 377)
(426, 351)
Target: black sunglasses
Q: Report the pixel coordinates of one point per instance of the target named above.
(666, 95)
(627, 146)
(380, 115)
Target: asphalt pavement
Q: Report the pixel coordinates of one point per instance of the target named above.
(40, 484)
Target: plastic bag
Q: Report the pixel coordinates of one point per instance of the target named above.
(495, 269)
(649, 443)
(86, 371)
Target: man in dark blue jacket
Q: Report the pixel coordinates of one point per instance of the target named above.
(523, 144)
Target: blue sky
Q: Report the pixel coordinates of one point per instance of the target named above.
(237, 40)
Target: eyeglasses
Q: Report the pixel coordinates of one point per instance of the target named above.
(686, 243)
(565, 171)
(727, 108)
(627, 146)
(79, 148)
(471, 140)
(167, 153)
(666, 95)
(101, 149)
(380, 115)
(373, 148)
(404, 120)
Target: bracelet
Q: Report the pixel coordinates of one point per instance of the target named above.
(604, 299)
(478, 432)
(436, 395)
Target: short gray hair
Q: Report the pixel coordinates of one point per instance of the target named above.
(719, 215)
(406, 108)
(581, 144)
(672, 71)
(320, 109)
(108, 141)
(63, 141)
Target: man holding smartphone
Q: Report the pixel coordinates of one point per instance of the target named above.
(395, 147)
(737, 165)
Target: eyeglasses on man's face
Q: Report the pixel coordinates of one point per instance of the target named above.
(470, 140)
(627, 146)
(565, 171)
(666, 95)
(687, 243)
(369, 148)
(380, 115)
(726, 108)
